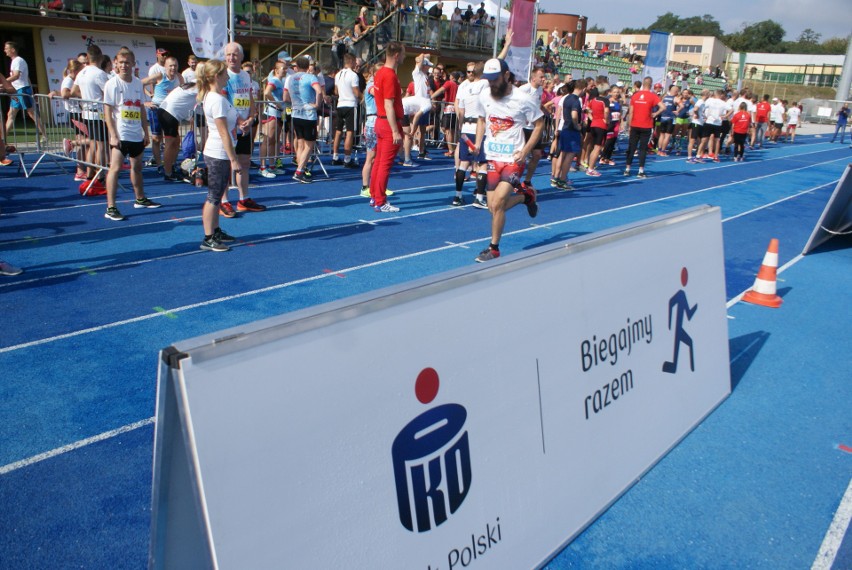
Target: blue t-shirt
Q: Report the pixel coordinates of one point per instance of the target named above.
(303, 96)
(274, 110)
(238, 92)
(614, 114)
(686, 109)
(571, 103)
(669, 106)
(842, 117)
(163, 88)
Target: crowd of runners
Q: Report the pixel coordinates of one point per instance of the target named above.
(497, 127)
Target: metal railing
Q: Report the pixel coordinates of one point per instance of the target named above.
(294, 19)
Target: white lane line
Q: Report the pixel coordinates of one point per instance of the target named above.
(770, 204)
(73, 446)
(836, 531)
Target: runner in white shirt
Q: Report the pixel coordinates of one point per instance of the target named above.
(347, 86)
(469, 110)
(189, 73)
(793, 114)
(696, 129)
(19, 77)
(533, 89)
(500, 130)
(776, 119)
(714, 111)
(124, 104)
(420, 76)
(89, 86)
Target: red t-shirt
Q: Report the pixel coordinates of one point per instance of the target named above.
(386, 86)
(643, 104)
(598, 108)
(740, 122)
(450, 90)
(762, 113)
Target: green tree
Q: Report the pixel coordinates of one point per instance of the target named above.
(835, 46)
(808, 36)
(766, 36)
(669, 22)
(596, 29)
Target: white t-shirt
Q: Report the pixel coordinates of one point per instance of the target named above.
(70, 106)
(504, 122)
(91, 80)
(776, 113)
(189, 75)
(152, 71)
(18, 64)
(421, 87)
(698, 112)
(714, 108)
(217, 106)
(793, 115)
(346, 81)
(127, 99)
(533, 93)
(729, 109)
(467, 99)
(412, 104)
(180, 103)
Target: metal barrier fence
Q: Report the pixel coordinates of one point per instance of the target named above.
(72, 133)
(821, 110)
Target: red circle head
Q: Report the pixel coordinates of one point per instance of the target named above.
(426, 386)
(684, 276)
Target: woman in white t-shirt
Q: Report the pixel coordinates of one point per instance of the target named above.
(219, 154)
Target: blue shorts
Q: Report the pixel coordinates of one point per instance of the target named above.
(570, 141)
(154, 122)
(466, 156)
(24, 102)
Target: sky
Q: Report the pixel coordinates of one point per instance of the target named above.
(831, 18)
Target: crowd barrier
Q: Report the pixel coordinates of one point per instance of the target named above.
(67, 132)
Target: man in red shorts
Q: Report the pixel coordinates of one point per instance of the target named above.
(507, 112)
(389, 114)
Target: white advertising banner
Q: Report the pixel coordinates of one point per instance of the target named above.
(207, 27)
(62, 45)
(476, 419)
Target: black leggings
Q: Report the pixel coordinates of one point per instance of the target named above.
(739, 144)
(609, 147)
(640, 137)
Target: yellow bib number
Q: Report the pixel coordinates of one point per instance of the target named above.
(130, 115)
(242, 103)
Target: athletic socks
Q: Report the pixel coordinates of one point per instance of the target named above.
(460, 176)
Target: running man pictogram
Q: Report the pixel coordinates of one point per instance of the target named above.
(679, 303)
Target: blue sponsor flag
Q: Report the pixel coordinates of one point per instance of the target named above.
(656, 58)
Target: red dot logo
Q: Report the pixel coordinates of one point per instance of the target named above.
(684, 276)
(426, 386)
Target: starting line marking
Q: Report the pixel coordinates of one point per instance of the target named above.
(836, 531)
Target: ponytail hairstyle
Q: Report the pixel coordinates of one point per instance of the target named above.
(206, 75)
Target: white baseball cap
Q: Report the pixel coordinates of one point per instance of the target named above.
(494, 68)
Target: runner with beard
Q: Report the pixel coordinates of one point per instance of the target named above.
(506, 112)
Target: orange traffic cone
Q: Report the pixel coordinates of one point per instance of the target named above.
(763, 292)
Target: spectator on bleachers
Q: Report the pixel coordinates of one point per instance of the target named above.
(456, 22)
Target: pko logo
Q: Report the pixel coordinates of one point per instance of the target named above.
(431, 460)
